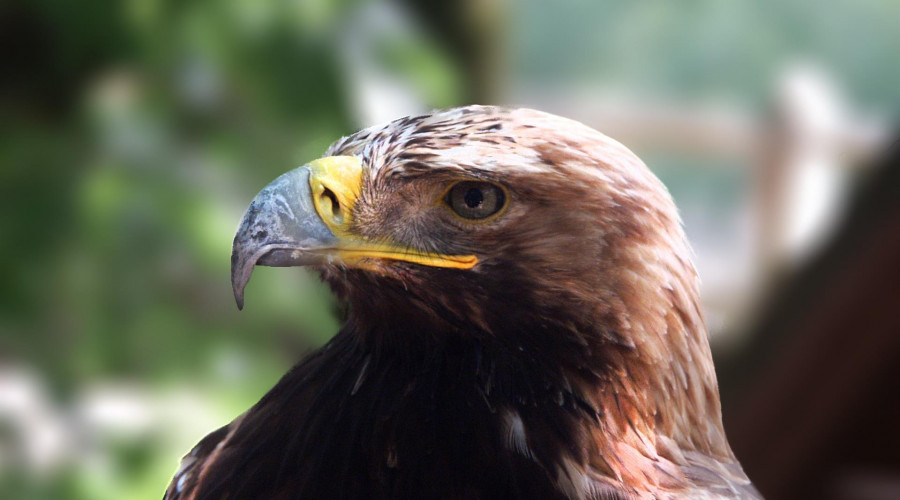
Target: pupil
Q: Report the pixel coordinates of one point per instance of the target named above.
(474, 198)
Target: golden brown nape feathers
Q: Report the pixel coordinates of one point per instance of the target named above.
(524, 321)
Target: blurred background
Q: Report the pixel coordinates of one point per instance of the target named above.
(134, 133)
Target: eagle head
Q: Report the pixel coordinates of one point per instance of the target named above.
(485, 219)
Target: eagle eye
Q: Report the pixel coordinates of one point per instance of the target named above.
(475, 200)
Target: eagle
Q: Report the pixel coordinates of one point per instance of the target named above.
(523, 322)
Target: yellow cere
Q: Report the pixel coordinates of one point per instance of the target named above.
(340, 176)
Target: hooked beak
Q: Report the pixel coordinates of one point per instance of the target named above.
(303, 217)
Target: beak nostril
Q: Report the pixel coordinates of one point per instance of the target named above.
(335, 204)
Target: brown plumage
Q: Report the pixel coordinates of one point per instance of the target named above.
(570, 361)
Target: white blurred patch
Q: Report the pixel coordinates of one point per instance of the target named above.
(376, 94)
(44, 435)
(41, 439)
(814, 114)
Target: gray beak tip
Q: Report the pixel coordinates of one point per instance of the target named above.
(278, 229)
(238, 278)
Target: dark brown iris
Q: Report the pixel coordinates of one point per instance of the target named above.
(475, 200)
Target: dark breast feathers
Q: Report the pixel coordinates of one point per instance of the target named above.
(445, 424)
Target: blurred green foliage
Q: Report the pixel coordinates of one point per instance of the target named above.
(123, 176)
